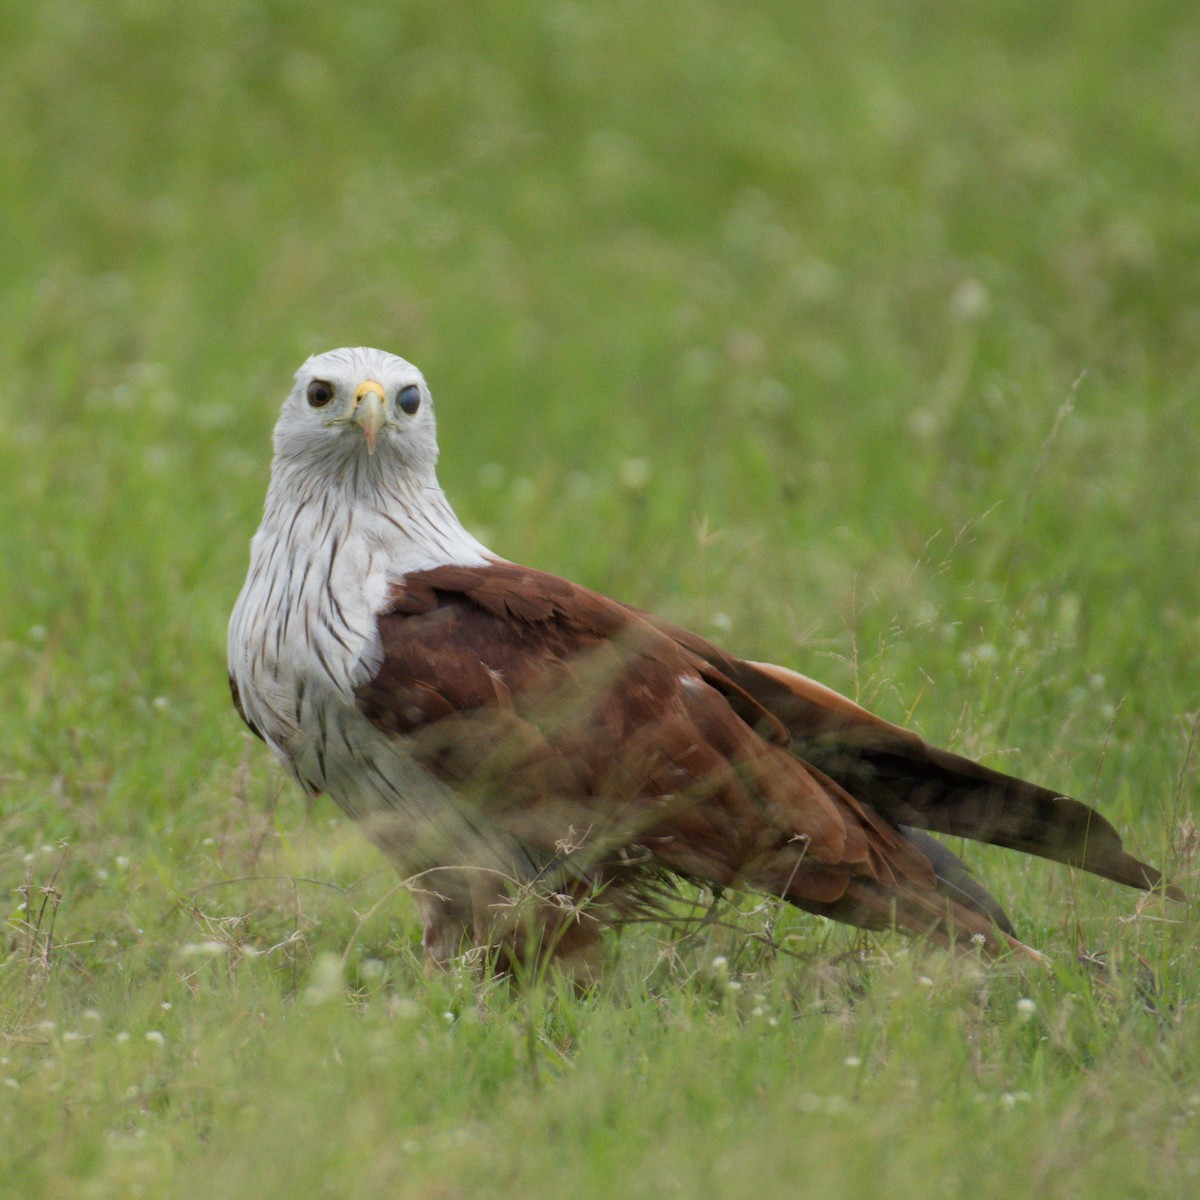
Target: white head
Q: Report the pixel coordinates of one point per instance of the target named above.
(358, 409)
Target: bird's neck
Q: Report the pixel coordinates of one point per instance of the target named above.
(400, 520)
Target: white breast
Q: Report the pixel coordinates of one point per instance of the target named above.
(303, 634)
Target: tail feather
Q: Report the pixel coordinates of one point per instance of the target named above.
(913, 783)
(955, 881)
(946, 793)
(944, 920)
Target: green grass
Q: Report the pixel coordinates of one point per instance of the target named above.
(862, 337)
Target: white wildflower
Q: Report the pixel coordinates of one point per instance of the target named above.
(206, 949)
(634, 474)
(325, 983)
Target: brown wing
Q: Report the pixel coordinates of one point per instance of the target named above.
(570, 718)
(913, 783)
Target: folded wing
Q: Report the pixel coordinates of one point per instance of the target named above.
(567, 719)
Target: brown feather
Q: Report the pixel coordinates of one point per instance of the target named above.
(573, 721)
(913, 783)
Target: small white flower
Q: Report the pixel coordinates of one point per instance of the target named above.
(969, 301)
(166, 1006)
(923, 423)
(208, 949)
(852, 1060)
(325, 983)
(1026, 1008)
(155, 1038)
(123, 1036)
(634, 474)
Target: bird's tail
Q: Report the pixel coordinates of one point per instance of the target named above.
(914, 784)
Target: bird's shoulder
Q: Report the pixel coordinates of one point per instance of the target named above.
(507, 591)
(455, 638)
(472, 635)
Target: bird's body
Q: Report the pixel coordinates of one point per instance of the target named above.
(498, 730)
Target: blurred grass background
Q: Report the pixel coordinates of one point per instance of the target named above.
(864, 338)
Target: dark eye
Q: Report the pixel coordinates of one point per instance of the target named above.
(319, 393)
(408, 399)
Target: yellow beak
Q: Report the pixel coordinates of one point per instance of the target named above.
(370, 411)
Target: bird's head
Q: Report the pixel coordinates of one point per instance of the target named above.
(358, 402)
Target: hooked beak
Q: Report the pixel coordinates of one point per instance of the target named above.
(370, 411)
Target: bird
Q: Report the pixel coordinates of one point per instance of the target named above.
(542, 763)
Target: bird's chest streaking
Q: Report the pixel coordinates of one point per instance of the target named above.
(303, 632)
(303, 635)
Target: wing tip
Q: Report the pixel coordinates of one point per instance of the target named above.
(1134, 873)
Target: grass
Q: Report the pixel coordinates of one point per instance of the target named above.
(861, 337)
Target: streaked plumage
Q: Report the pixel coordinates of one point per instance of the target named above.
(500, 731)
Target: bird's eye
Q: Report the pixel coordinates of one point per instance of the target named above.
(408, 399)
(319, 393)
